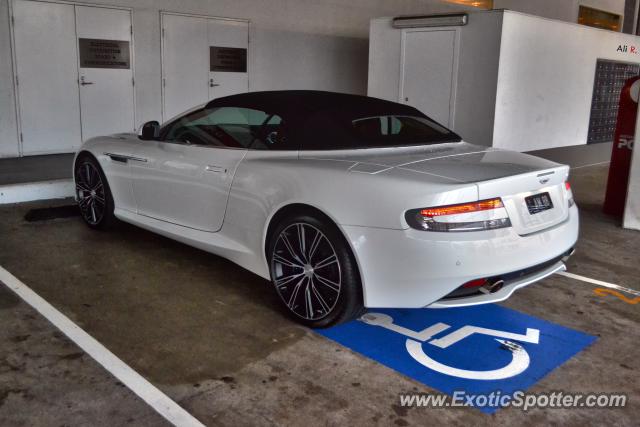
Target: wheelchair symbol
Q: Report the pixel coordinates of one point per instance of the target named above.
(519, 361)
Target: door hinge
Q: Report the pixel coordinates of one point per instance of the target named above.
(133, 81)
(21, 137)
(164, 82)
(163, 32)
(131, 29)
(17, 81)
(13, 20)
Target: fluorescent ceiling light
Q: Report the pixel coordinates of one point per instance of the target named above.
(443, 20)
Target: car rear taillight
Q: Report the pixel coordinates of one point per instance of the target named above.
(473, 216)
(567, 187)
(475, 283)
(483, 205)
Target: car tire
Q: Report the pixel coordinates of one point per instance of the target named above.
(93, 194)
(318, 281)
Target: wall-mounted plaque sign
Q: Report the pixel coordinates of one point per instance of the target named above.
(230, 59)
(99, 53)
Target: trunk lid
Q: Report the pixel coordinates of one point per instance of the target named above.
(511, 176)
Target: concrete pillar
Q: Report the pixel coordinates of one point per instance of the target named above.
(631, 217)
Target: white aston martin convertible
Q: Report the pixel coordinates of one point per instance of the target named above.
(342, 201)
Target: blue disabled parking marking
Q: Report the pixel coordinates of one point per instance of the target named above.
(477, 350)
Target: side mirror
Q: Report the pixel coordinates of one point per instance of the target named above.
(150, 131)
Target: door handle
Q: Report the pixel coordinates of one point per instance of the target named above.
(83, 82)
(217, 169)
(212, 84)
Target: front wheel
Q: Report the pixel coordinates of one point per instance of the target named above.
(93, 194)
(314, 272)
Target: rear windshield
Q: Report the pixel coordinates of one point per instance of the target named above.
(398, 130)
(334, 131)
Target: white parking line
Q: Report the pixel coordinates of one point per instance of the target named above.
(599, 283)
(159, 401)
(589, 165)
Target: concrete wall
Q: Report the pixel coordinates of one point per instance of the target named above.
(564, 10)
(294, 44)
(631, 218)
(545, 82)
(478, 78)
(385, 50)
(630, 16)
(524, 82)
(475, 87)
(8, 132)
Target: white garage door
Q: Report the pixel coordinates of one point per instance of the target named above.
(202, 59)
(228, 45)
(74, 75)
(184, 65)
(47, 69)
(106, 87)
(427, 82)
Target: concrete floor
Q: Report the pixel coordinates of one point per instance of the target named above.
(212, 337)
(46, 380)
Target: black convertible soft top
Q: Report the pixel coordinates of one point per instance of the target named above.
(307, 102)
(319, 120)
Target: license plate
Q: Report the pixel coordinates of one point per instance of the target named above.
(538, 203)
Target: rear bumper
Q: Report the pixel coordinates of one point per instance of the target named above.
(412, 268)
(510, 286)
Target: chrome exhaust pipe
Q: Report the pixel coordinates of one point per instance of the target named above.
(492, 287)
(568, 254)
